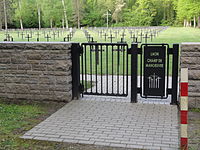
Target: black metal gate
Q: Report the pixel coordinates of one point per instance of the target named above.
(113, 69)
(104, 69)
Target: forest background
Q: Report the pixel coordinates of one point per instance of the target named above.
(95, 13)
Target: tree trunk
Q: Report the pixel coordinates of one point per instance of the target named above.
(199, 21)
(51, 23)
(65, 14)
(184, 24)
(194, 22)
(21, 24)
(39, 18)
(1, 19)
(187, 23)
(190, 23)
(63, 23)
(20, 20)
(5, 15)
(0, 23)
(164, 13)
(1, 15)
(78, 13)
(78, 21)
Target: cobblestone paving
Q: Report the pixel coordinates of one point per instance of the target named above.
(116, 124)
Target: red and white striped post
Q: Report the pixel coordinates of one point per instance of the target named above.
(184, 108)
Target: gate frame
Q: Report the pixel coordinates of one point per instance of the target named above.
(125, 75)
(135, 51)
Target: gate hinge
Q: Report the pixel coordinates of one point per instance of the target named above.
(139, 90)
(138, 50)
(80, 50)
(170, 50)
(129, 50)
(81, 88)
(169, 91)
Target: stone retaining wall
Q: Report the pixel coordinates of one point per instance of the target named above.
(190, 58)
(36, 71)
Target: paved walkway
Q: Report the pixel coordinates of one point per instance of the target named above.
(116, 124)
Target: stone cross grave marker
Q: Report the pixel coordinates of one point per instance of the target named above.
(47, 37)
(28, 37)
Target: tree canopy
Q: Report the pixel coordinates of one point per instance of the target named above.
(80, 13)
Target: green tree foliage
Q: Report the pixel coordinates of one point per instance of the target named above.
(141, 14)
(188, 11)
(93, 15)
(78, 13)
(27, 11)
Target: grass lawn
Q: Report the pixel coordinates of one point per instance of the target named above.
(16, 119)
(178, 35)
(171, 35)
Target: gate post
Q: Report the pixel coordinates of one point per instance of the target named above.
(184, 109)
(175, 67)
(134, 68)
(75, 52)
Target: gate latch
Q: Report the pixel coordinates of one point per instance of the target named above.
(129, 50)
(138, 50)
(81, 88)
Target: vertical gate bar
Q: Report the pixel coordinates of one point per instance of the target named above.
(91, 66)
(123, 51)
(175, 73)
(85, 68)
(134, 55)
(127, 70)
(82, 72)
(168, 56)
(96, 62)
(101, 72)
(141, 71)
(112, 71)
(107, 69)
(118, 59)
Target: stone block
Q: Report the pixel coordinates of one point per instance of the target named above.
(191, 66)
(5, 55)
(194, 102)
(5, 60)
(47, 80)
(18, 59)
(64, 80)
(34, 56)
(190, 54)
(190, 47)
(194, 75)
(24, 67)
(190, 60)
(39, 67)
